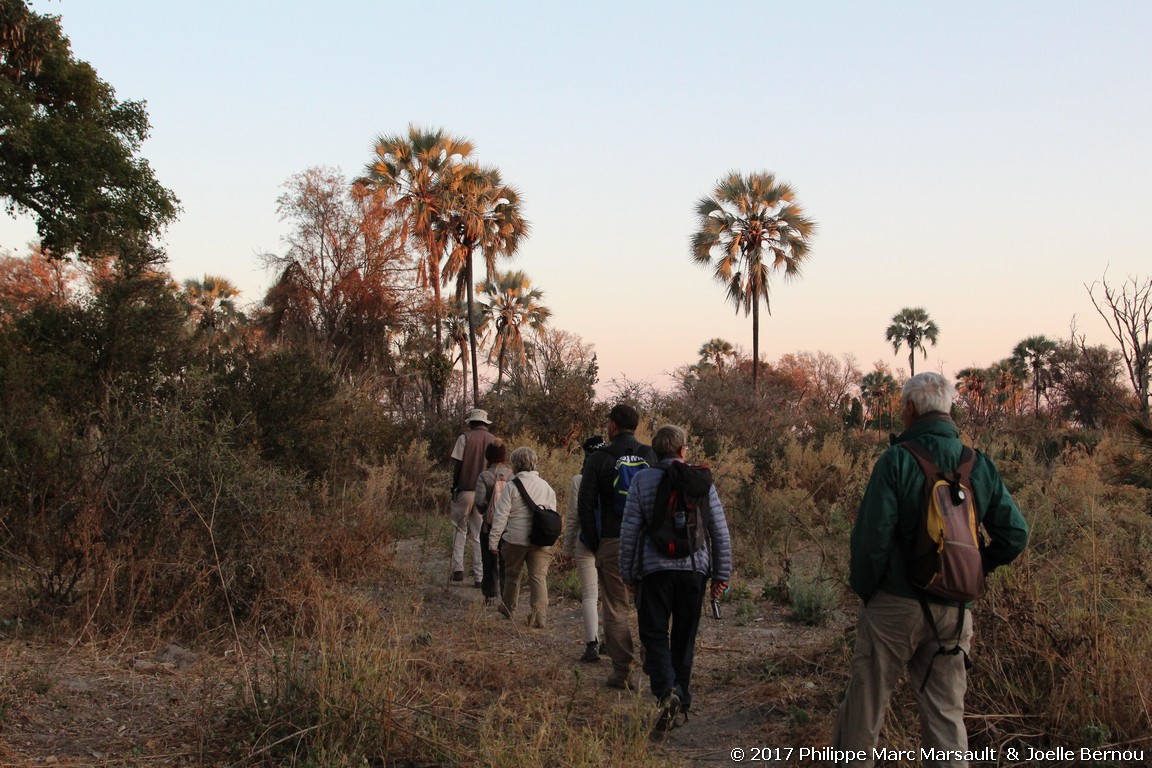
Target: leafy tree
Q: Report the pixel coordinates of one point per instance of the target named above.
(752, 225)
(36, 279)
(342, 276)
(1087, 386)
(1036, 353)
(551, 394)
(415, 172)
(485, 214)
(911, 327)
(508, 305)
(69, 149)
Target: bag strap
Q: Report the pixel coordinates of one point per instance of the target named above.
(942, 651)
(532, 505)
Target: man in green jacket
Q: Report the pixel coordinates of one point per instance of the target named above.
(892, 630)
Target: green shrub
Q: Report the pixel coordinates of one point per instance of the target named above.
(813, 598)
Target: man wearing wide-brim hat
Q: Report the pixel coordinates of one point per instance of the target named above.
(468, 463)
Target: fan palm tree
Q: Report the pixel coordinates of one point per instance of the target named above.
(484, 214)
(212, 308)
(975, 389)
(752, 225)
(508, 304)
(715, 352)
(1038, 354)
(912, 326)
(414, 171)
(1007, 381)
(878, 389)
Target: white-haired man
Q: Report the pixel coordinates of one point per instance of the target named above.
(894, 628)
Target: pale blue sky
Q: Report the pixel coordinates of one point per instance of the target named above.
(983, 160)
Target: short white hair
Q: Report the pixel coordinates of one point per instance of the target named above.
(523, 459)
(929, 392)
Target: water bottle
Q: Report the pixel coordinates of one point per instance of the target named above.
(680, 519)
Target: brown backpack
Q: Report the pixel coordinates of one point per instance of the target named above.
(946, 559)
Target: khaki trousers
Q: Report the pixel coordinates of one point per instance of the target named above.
(467, 522)
(892, 635)
(538, 559)
(616, 602)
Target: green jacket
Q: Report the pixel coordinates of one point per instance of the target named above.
(886, 523)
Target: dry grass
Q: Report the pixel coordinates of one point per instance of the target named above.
(390, 664)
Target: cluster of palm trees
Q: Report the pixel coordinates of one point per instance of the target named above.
(422, 206)
(454, 208)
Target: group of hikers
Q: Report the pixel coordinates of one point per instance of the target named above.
(647, 533)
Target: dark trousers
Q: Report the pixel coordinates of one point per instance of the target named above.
(492, 585)
(676, 597)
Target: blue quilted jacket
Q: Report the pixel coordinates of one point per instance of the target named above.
(638, 554)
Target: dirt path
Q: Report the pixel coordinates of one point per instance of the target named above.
(758, 674)
(758, 677)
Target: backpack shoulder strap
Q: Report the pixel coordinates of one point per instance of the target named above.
(524, 493)
(922, 458)
(967, 461)
(665, 480)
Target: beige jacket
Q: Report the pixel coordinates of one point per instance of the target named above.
(511, 519)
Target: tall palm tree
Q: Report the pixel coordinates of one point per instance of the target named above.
(485, 214)
(715, 352)
(753, 225)
(414, 171)
(508, 304)
(1038, 354)
(912, 326)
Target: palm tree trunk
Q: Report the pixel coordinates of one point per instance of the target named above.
(464, 365)
(434, 270)
(756, 346)
(911, 360)
(472, 331)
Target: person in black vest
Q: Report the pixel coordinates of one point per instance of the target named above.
(601, 488)
(467, 464)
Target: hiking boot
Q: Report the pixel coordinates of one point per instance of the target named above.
(669, 712)
(478, 584)
(504, 611)
(457, 575)
(590, 652)
(622, 683)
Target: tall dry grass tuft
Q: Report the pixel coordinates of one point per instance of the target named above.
(1063, 631)
(356, 688)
